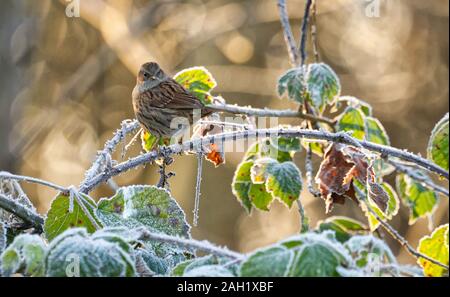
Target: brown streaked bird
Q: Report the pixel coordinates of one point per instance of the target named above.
(158, 99)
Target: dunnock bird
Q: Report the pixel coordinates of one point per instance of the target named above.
(158, 99)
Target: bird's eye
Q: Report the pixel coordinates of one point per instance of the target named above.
(146, 75)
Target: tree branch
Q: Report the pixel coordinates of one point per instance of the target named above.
(339, 137)
(286, 113)
(189, 243)
(288, 36)
(22, 212)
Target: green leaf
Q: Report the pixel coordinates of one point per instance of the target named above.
(356, 103)
(198, 81)
(286, 144)
(148, 206)
(438, 145)
(420, 200)
(75, 253)
(148, 141)
(241, 184)
(282, 180)
(25, 255)
(352, 120)
(59, 218)
(375, 131)
(293, 81)
(268, 262)
(323, 85)
(343, 227)
(435, 246)
(185, 266)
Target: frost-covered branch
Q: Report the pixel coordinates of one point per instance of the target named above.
(288, 36)
(190, 243)
(7, 175)
(339, 137)
(402, 240)
(304, 31)
(422, 179)
(22, 212)
(104, 157)
(264, 112)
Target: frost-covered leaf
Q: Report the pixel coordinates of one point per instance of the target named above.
(282, 180)
(181, 268)
(148, 206)
(75, 253)
(153, 263)
(273, 261)
(323, 85)
(367, 249)
(438, 144)
(24, 255)
(352, 119)
(375, 131)
(209, 271)
(293, 81)
(343, 227)
(420, 200)
(199, 81)
(435, 246)
(356, 103)
(59, 218)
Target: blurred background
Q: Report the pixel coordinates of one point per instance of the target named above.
(65, 86)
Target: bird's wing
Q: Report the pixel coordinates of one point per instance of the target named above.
(172, 95)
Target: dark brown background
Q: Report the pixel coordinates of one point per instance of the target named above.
(65, 85)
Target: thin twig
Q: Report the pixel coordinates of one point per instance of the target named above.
(339, 137)
(402, 240)
(309, 172)
(7, 175)
(286, 113)
(22, 212)
(189, 243)
(314, 31)
(197, 187)
(422, 179)
(103, 156)
(304, 32)
(288, 36)
(304, 220)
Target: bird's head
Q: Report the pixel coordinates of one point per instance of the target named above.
(150, 75)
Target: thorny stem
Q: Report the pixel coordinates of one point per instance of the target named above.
(309, 172)
(314, 31)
